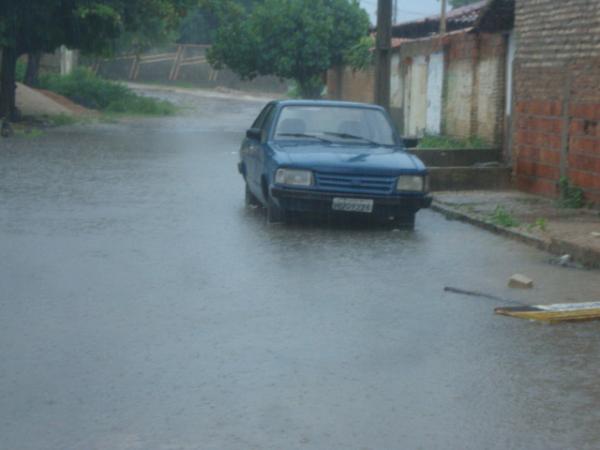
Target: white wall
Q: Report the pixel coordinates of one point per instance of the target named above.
(416, 100)
(435, 85)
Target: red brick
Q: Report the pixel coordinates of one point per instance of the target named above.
(593, 197)
(584, 163)
(549, 157)
(530, 168)
(576, 127)
(585, 180)
(527, 152)
(584, 145)
(554, 108)
(537, 185)
(590, 111)
(545, 125)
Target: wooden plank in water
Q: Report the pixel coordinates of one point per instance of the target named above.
(554, 313)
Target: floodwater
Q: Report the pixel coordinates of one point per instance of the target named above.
(143, 307)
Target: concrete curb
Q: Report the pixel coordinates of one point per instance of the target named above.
(588, 257)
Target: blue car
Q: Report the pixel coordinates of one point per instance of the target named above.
(331, 157)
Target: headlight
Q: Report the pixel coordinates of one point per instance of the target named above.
(294, 177)
(411, 183)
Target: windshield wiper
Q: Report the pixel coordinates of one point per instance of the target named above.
(351, 136)
(300, 135)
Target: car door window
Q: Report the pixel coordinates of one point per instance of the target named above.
(268, 119)
(260, 120)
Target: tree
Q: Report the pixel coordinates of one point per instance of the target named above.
(23, 28)
(33, 67)
(89, 25)
(200, 25)
(459, 3)
(293, 39)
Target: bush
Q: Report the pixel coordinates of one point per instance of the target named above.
(570, 196)
(503, 218)
(89, 90)
(20, 71)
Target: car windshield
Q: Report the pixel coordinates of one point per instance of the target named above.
(334, 123)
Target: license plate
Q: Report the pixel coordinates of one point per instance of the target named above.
(359, 205)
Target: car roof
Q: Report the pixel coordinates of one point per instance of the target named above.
(337, 103)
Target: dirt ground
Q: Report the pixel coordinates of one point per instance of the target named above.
(38, 102)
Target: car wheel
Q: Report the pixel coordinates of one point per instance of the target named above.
(250, 198)
(405, 221)
(275, 214)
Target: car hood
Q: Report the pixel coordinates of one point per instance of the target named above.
(347, 158)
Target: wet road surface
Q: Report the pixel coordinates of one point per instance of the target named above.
(143, 307)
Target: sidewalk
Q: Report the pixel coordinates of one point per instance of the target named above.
(528, 218)
(219, 92)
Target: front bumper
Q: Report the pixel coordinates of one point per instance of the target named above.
(320, 202)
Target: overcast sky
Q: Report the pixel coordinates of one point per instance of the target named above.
(407, 9)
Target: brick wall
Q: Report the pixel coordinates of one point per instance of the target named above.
(556, 129)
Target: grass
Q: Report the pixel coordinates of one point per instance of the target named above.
(542, 224)
(89, 90)
(570, 196)
(28, 133)
(450, 143)
(503, 218)
(60, 120)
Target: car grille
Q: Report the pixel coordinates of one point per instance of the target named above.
(355, 183)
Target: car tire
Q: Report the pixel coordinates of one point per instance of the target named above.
(250, 198)
(405, 221)
(275, 214)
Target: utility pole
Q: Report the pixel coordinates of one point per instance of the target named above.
(395, 15)
(443, 18)
(383, 53)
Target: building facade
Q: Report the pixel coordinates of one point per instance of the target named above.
(523, 75)
(556, 129)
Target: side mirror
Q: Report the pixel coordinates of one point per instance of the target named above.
(255, 134)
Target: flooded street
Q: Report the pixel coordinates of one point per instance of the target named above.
(142, 306)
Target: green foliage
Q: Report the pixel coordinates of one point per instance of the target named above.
(450, 143)
(293, 39)
(503, 218)
(200, 24)
(570, 196)
(539, 223)
(360, 56)
(28, 133)
(91, 91)
(91, 26)
(20, 73)
(59, 120)
(198, 27)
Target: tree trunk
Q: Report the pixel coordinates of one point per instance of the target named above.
(311, 88)
(8, 87)
(33, 69)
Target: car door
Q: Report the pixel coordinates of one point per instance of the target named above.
(251, 150)
(263, 155)
(254, 150)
